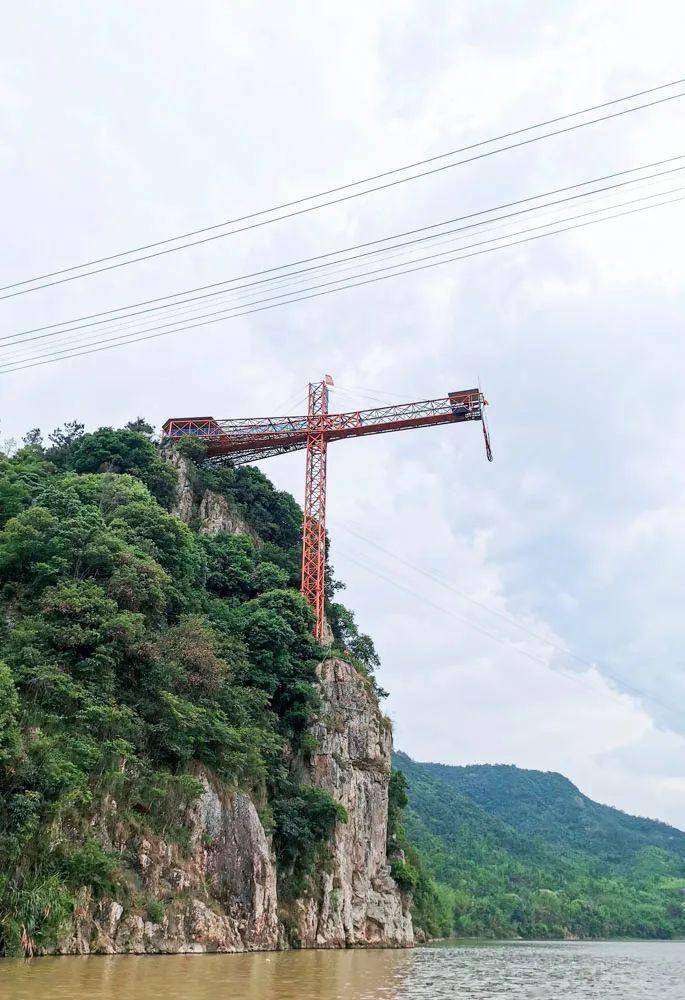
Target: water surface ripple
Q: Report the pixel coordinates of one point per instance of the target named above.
(492, 971)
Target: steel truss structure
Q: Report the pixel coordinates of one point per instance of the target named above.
(239, 442)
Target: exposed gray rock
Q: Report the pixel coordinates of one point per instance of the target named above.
(218, 515)
(239, 864)
(185, 506)
(356, 902)
(218, 896)
(215, 513)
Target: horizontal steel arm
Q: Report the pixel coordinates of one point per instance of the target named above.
(241, 441)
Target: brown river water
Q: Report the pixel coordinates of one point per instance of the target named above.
(472, 971)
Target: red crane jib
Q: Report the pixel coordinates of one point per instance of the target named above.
(237, 442)
(240, 441)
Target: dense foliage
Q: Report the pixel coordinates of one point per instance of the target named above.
(431, 902)
(524, 853)
(133, 651)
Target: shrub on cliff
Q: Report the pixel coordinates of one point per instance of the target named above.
(304, 818)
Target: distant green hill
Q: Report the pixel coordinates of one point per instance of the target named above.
(526, 853)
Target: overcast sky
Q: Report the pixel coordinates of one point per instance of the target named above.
(127, 123)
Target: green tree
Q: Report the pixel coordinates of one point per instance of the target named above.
(10, 734)
(140, 426)
(109, 450)
(304, 819)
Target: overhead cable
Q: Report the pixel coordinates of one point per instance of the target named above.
(508, 643)
(13, 289)
(66, 337)
(327, 291)
(441, 581)
(69, 326)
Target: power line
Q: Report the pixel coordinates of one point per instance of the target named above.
(59, 356)
(71, 324)
(577, 678)
(117, 332)
(338, 200)
(445, 611)
(361, 394)
(65, 337)
(376, 392)
(282, 296)
(225, 313)
(285, 408)
(290, 283)
(591, 664)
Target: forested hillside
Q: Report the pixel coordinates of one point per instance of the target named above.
(524, 853)
(134, 650)
(138, 652)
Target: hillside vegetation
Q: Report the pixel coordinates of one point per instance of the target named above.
(134, 650)
(524, 853)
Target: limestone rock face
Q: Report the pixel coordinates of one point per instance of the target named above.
(218, 515)
(185, 505)
(220, 895)
(214, 512)
(355, 902)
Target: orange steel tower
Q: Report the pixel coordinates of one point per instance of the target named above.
(314, 521)
(238, 442)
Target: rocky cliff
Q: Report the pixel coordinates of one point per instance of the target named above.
(356, 902)
(213, 511)
(219, 889)
(216, 889)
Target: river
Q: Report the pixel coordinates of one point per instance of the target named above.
(647, 970)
